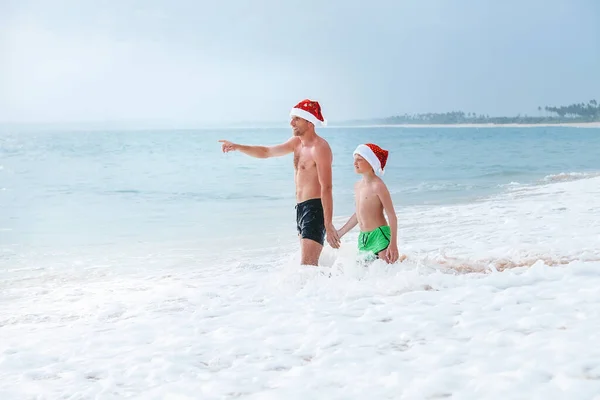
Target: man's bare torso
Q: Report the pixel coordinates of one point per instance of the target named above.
(305, 168)
(369, 210)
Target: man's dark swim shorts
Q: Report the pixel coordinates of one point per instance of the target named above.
(310, 221)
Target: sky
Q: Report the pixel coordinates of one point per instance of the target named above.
(204, 62)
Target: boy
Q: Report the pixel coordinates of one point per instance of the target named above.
(372, 197)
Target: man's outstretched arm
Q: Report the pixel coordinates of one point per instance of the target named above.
(261, 151)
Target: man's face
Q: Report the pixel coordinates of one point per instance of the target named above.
(299, 125)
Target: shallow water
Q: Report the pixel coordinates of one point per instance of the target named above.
(119, 278)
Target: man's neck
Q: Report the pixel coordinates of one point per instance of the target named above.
(308, 137)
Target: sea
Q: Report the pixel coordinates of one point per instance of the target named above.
(149, 264)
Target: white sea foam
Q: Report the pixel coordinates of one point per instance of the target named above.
(497, 299)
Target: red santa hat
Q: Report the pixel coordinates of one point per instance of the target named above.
(309, 110)
(374, 155)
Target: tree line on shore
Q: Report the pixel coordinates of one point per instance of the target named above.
(580, 112)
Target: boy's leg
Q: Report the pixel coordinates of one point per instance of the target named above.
(380, 241)
(381, 255)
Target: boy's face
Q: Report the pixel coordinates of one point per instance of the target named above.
(361, 165)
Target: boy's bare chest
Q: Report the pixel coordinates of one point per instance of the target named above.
(366, 198)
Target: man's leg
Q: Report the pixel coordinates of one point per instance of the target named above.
(311, 229)
(310, 252)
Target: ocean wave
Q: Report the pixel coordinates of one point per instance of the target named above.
(201, 196)
(510, 185)
(548, 180)
(436, 187)
(569, 176)
(503, 173)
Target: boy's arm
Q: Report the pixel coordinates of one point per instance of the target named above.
(388, 206)
(261, 151)
(348, 225)
(324, 160)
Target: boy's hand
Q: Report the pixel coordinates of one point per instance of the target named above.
(333, 237)
(392, 255)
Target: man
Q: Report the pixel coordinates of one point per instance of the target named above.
(312, 165)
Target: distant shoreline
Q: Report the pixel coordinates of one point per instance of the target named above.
(475, 125)
(341, 125)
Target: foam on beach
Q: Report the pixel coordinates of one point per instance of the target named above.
(497, 299)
